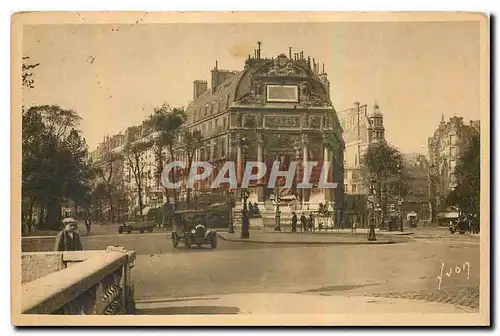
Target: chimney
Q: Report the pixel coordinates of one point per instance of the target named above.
(199, 87)
(309, 61)
(258, 53)
(323, 68)
(290, 52)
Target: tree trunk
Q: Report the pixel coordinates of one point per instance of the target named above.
(167, 195)
(53, 214)
(139, 198)
(171, 151)
(111, 207)
(41, 219)
(188, 190)
(30, 216)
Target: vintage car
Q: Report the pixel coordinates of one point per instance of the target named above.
(137, 225)
(138, 222)
(191, 228)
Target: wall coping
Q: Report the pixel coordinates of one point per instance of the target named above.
(47, 294)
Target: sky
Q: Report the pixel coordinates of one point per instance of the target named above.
(114, 75)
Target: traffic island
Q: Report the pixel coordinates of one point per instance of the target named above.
(310, 239)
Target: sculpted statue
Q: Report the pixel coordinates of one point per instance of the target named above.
(304, 89)
(257, 85)
(282, 66)
(317, 101)
(247, 98)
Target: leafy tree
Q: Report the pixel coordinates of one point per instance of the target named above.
(27, 74)
(192, 140)
(166, 124)
(384, 164)
(133, 152)
(466, 195)
(54, 163)
(108, 170)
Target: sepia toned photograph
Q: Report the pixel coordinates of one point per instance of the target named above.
(243, 168)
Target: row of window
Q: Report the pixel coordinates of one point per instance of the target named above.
(214, 125)
(209, 109)
(379, 135)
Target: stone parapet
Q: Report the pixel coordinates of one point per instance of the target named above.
(78, 282)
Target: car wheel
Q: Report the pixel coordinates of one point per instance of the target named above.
(187, 242)
(120, 230)
(141, 230)
(213, 241)
(462, 232)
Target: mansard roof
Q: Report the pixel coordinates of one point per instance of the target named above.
(272, 69)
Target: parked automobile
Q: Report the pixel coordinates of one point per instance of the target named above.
(191, 228)
(137, 225)
(459, 225)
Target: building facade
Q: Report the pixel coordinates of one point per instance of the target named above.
(274, 109)
(360, 127)
(446, 146)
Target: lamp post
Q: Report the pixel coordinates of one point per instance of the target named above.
(277, 201)
(371, 203)
(400, 200)
(245, 222)
(231, 206)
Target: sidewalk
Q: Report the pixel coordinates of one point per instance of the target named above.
(97, 230)
(310, 238)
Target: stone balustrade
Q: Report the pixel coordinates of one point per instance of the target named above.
(78, 282)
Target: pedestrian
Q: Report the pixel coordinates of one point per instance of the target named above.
(303, 222)
(294, 222)
(311, 223)
(354, 226)
(68, 239)
(87, 222)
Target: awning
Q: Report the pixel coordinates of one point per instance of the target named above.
(448, 215)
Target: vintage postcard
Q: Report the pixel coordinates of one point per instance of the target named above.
(244, 168)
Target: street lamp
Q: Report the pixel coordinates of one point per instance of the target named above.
(277, 201)
(231, 206)
(371, 203)
(400, 205)
(400, 200)
(245, 222)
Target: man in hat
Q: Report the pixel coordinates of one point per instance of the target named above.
(68, 239)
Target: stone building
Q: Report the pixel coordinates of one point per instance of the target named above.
(274, 109)
(416, 198)
(120, 174)
(360, 127)
(446, 146)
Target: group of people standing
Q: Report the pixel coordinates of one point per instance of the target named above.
(307, 223)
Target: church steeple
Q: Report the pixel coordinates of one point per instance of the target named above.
(376, 119)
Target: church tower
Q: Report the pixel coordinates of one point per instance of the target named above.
(376, 130)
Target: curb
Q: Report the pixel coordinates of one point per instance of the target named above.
(378, 242)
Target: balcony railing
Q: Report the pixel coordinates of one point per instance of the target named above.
(81, 282)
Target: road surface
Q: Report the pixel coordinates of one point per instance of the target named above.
(429, 262)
